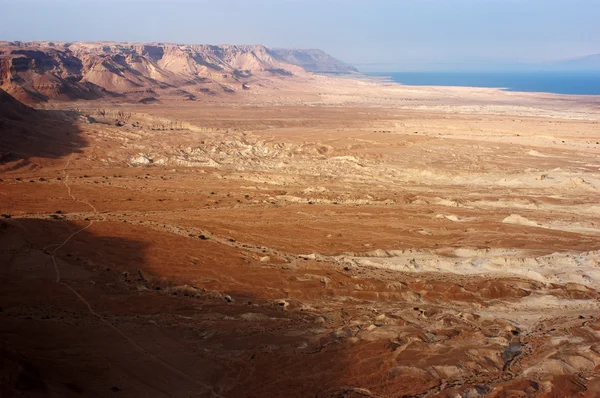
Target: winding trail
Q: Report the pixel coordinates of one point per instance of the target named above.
(131, 342)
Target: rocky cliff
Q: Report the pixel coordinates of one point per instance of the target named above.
(316, 61)
(42, 71)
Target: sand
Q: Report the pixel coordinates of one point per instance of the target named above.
(331, 238)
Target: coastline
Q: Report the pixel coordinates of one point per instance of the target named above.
(517, 87)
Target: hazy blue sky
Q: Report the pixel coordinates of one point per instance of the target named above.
(408, 33)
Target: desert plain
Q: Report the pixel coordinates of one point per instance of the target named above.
(307, 236)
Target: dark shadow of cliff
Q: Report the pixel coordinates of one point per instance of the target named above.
(50, 342)
(29, 133)
(52, 345)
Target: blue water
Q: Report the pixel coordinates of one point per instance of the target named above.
(584, 83)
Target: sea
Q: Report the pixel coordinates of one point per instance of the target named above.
(580, 83)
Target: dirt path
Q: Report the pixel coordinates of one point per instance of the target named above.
(131, 342)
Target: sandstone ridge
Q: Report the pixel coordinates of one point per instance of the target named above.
(36, 72)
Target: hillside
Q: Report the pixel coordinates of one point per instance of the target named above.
(28, 133)
(316, 61)
(41, 71)
(11, 109)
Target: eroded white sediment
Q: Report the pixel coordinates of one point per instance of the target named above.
(581, 268)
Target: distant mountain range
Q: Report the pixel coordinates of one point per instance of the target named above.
(591, 62)
(588, 63)
(41, 71)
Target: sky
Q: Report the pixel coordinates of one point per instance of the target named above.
(383, 35)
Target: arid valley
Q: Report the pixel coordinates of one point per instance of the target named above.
(232, 222)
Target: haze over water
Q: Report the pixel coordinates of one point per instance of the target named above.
(557, 82)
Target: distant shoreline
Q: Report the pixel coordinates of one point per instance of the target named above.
(561, 83)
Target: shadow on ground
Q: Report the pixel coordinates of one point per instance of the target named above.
(143, 341)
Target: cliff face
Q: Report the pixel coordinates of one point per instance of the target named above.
(42, 71)
(315, 61)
